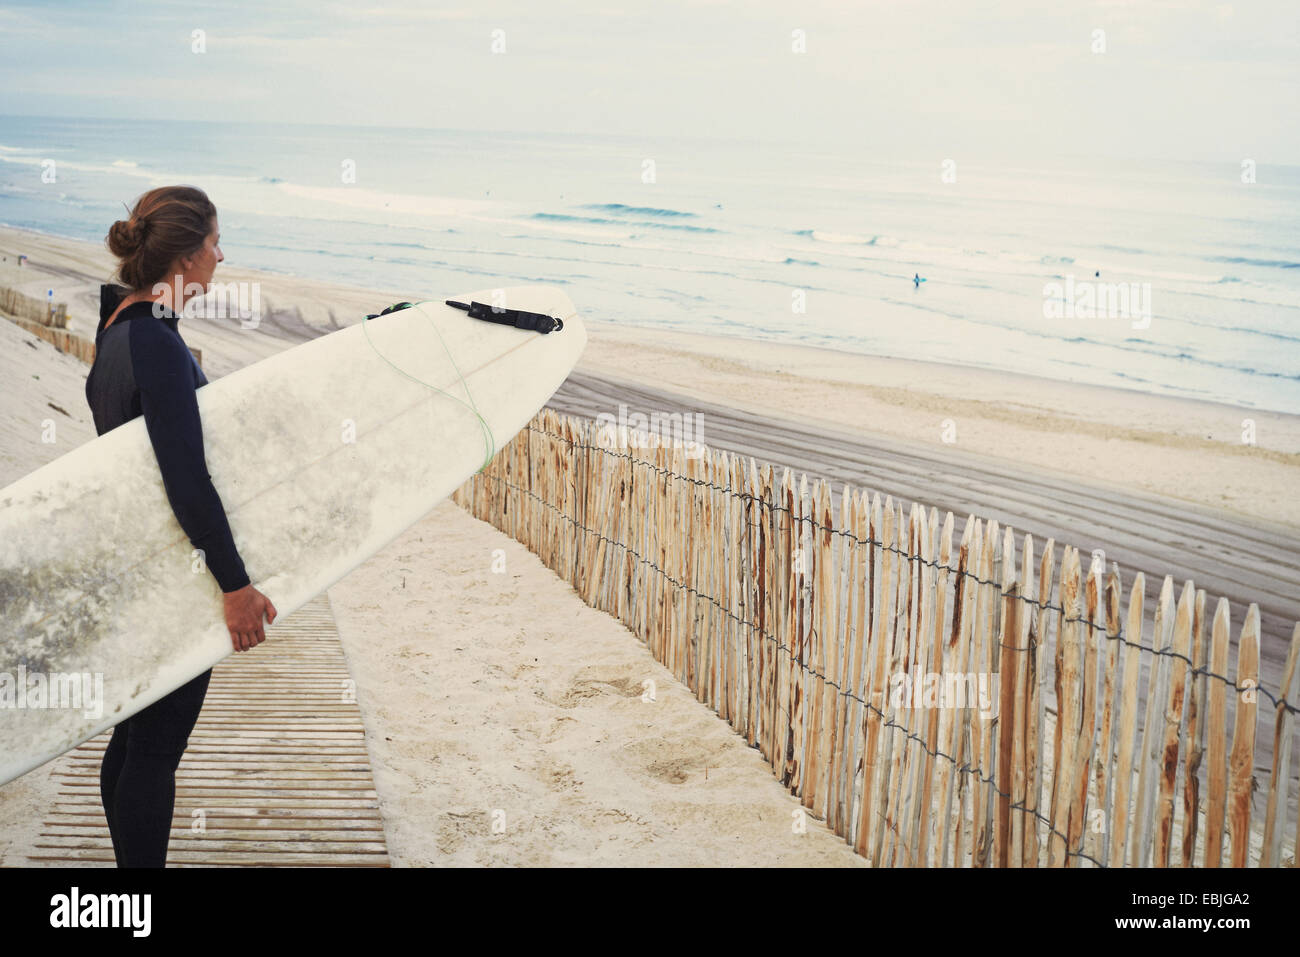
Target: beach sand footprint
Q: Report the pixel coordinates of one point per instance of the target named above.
(673, 757)
(582, 688)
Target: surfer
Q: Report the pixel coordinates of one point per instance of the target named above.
(166, 251)
(917, 280)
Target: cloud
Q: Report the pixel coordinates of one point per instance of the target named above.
(914, 77)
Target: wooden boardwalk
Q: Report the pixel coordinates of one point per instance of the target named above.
(276, 773)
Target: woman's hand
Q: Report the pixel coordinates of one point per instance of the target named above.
(244, 610)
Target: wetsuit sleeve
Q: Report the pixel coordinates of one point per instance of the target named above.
(164, 374)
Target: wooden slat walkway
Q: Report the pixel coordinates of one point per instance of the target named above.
(276, 773)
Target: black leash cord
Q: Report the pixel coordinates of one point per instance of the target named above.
(531, 321)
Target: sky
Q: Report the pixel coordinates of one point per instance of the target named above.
(1197, 81)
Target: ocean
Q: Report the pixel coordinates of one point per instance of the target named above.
(785, 244)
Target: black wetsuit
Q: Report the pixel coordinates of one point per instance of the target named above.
(143, 367)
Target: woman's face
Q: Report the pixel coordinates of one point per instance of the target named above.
(203, 263)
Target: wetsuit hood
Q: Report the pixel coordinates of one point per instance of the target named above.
(111, 296)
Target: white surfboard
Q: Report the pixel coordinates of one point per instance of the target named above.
(321, 455)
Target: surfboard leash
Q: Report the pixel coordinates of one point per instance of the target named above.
(531, 321)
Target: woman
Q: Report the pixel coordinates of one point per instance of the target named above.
(167, 252)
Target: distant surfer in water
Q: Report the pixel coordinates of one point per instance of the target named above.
(167, 251)
(917, 280)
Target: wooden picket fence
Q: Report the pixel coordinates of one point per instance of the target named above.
(74, 345)
(20, 306)
(807, 636)
(61, 339)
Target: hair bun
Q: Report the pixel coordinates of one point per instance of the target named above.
(126, 236)
(165, 225)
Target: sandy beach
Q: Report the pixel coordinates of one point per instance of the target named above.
(485, 692)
